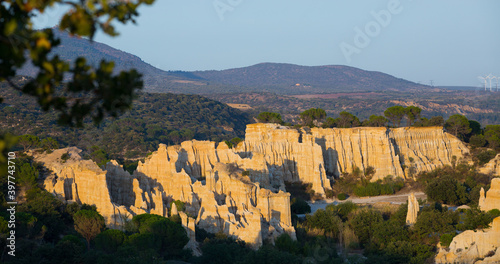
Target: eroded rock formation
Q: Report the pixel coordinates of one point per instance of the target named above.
(492, 198)
(413, 208)
(492, 167)
(473, 246)
(111, 191)
(240, 191)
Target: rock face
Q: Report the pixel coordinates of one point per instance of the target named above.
(317, 155)
(413, 208)
(291, 155)
(82, 181)
(492, 198)
(240, 191)
(473, 246)
(492, 167)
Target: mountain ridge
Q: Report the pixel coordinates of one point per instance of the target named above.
(280, 78)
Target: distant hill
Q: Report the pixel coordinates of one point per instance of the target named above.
(73, 47)
(265, 77)
(296, 79)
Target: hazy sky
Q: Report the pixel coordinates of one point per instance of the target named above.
(450, 41)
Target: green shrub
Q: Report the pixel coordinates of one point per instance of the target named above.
(446, 239)
(65, 157)
(485, 156)
(180, 205)
(299, 206)
(109, 240)
(447, 190)
(285, 243)
(325, 220)
(494, 213)
(342, 196)
(477, 141)
(329, 193)
(342, 209)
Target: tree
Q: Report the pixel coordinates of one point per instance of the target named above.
(477, 141)
(492, 136)
(436, 121)
(93, 92)
(458, 125)
(28, 141)
(314, 114)
(475, 127)
(412, 113)
(363, 223)
(89, 224)
(376, 121)
(109, 240)
(447, 190)
(347, 120)
(269, 117)
(49, 144)
(99, 156)
(395, 114)
(329, 123)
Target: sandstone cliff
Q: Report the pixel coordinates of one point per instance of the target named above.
(492, 198)
(473, 246)
(492, 167)
(83, 181)
(241, 191)
(317, 155)
(218, 194)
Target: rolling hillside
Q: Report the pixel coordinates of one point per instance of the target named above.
(154, 119)
(296, 79)
(265, 77)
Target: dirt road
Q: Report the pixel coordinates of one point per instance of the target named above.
(393, 199)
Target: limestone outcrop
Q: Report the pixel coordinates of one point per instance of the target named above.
(83, 181)
(413, 208)
(492, 198)
(473, 246)
(492, 167)
(318, 155)
(241, 191)
(345, 149)
(426, 148)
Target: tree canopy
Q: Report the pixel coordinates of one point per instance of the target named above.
(269, 117)
(458, 125)
(89, 224)
(395, 114)
(314, 114)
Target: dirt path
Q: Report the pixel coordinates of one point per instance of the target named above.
(393, 199)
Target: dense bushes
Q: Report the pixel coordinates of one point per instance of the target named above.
(454, 185)
(299, 206)
(379, 187)
(447, 190)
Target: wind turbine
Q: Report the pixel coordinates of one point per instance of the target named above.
(490, 77)
(496, 79)
(484, 79)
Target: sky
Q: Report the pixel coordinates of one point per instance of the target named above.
(447, 42)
